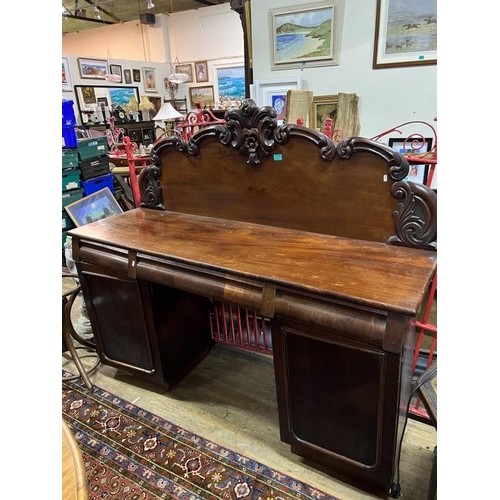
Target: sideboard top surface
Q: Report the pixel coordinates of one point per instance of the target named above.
(386, 277)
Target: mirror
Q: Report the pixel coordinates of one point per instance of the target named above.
(97, 103)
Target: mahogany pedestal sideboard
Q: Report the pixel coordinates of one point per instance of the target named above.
(327, 242)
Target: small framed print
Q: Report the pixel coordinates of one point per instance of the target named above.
(66, 81)
(414, 147)
(187, 69)
(116, 69)
(149, 80)
(127, 75)
(137, 75)
(201, 70)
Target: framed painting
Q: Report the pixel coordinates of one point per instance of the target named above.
(96, 69)
(116, 69)
(96, 206)
(187, 69)
(413, 146)
(201, 70)
(137, 75)
(305, 35)
(149, 80)
(205, 95)
(405, 33)
(66, 80)
(156, 102)
(127, 75)
(88, 95)
(229, 85)
(323, 107)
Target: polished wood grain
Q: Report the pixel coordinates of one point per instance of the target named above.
(74, 479)
(332, 266)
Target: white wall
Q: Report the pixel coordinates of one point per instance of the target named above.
(387, 97)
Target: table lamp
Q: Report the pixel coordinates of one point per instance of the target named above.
(168, 113)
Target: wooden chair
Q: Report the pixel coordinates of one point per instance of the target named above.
(69, 333)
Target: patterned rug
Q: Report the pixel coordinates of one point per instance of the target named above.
(132, 454)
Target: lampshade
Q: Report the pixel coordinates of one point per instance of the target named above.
(167, 112)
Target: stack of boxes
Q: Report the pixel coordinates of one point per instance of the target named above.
(85, 166)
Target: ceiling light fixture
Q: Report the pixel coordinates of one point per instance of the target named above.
(150, 4)
(97, 14)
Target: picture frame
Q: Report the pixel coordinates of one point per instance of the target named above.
(187, 69)
(116, 69)
(306, 35)
(201, 71)
(413, 146)
(322, 107)
(136, 73)
(127, 76)
(157, 102)
(88, 95)
(271, 92)
(405, 33)
(66, 79)
(229, 83)
(203, 94)
(94, 69)
(96, 206)
(149, 80)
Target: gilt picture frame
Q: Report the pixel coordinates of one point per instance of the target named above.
(187, 69)
(322, 107)
(405, 33)
(201, 71)
(305, 35)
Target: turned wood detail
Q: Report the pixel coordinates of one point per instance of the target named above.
(253, 133)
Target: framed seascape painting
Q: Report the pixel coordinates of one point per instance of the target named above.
(94, 207)
(305, 35)
(405, 33)
(66, 81)
(229, 85)
(95, 69)
(413, 147)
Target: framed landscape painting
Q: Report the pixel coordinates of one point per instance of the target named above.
(405, 33)
(95, 69)
(305, 35)
(203, 94)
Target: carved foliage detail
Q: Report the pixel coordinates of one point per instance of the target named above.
(250, 130)
(415, 216)
(398, 166)
(149, 187)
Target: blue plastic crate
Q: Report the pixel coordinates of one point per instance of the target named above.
(97, 183)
